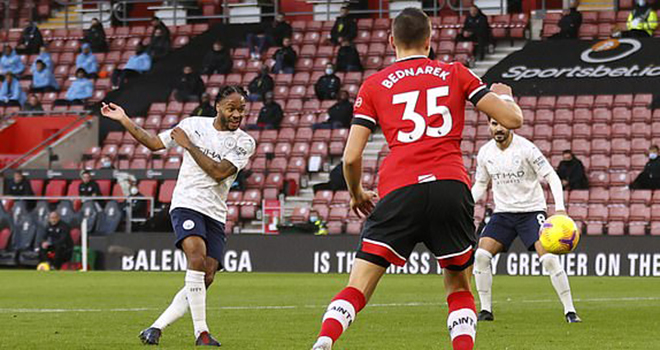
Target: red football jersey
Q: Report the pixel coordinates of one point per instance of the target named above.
(420, 106)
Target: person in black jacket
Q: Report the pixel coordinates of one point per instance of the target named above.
(477, 30)
(271, 34)
(569, 24)
(348, 58)
(57, 246)
(205, 109)
(345, 27)
(218, 60)
(285, 58)
(328, 85)
(95, 36)
(190, 87)
(336, 182)
(571, 172)
(157, 23)
(340, 114)
(270, 115)
(31, 40)
(19, 185)
(160, 44)
(649, 178)
(88, 187)
(260, 85)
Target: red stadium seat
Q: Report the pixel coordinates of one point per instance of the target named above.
(322, 197)
(598, 212)
(641, 197)
(148, 188)
(341, 198)
(640, 212)
(166, 190)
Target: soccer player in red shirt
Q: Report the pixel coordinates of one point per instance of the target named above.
(425, 189)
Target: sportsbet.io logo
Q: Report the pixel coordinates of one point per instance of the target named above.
(628, 47)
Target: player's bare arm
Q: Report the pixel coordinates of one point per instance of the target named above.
(219, 171)
(115, 112)
(362, 202)
(503, 109)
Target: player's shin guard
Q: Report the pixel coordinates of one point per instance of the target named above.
(175, 311)
(341, 313)
(483, 276)
(462, 320)
(196, 293)
(559, 280)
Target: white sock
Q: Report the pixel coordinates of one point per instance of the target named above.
(196, 293)
(559, 280)
(175, 311)
(483, 276)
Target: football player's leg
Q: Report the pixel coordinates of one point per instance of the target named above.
(483, 272)
(195, 249)
(559, 281)
(462, 318)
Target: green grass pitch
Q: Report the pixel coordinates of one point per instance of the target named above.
(106, 310)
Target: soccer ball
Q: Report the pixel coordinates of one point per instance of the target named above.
(44, 266)
(559, 234)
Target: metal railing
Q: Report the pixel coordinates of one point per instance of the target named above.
(128, 208)
(101, 16)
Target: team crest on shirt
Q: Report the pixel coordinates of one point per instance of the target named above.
(188, 225)
(517, 161)
(230, 142)
(358, 102)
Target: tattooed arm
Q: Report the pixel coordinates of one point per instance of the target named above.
(115, 112)
(219, 171)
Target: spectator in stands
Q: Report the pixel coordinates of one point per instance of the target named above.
(260, 85)
(88, 187)
(642, 21)
(106, 163)
(205, 108)
(137, 64)
(95, 36)
(571, 172)
(270, 115)
(57, 246)
(340, 114)
(10, 62)
(160, 44)
(336, 181)
(348, 58)
(11, 93)
(157, 23)
(43, 79)
(44, 56)
(649, 178)
(80, 90)
(32, 104)
(270, 34)
(345, 27)
(569, 24)
(87, 61)
(19, 185)
(218, 60)
(328, 85)
(285, 58)
(30, 41)
(190, 87)
(477, 30)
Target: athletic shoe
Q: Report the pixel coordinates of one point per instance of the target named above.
(150, 336)
(572, 317)
(323, 343)
(486, 316)
(205, 339)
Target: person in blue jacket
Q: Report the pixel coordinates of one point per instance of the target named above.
(80, 90)
(10, 62)
(44, 56)
(87, 61)
(137, 64)
(43, 79)
(11, 93)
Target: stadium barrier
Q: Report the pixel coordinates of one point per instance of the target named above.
(595, 256)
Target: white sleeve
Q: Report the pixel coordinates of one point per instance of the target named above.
(240, 155)
(538, 162)
(557, 190)
(166, 137)
(482, 178)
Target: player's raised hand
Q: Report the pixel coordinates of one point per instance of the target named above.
(113, 111)
(501, 89)
(363, 203)
(181, 138)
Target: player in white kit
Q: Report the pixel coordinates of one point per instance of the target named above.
(515, 165)
(215, 150)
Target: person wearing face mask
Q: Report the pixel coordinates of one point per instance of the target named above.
(270, 115)
(106, 163)
(570, 23)
(328, 85)
(340, 114)
(218, 60)
(649, 178)
(137, 64)
(317, 224)
(571, 172)
(190, 86)
(260, 85)
(642, 21)
(205, 109)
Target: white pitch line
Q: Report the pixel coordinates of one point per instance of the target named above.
(289, 307)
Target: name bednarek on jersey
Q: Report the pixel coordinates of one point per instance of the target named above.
(412, 72)
(515, 173)
(195, 189)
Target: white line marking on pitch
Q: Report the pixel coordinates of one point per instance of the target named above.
(287, 307)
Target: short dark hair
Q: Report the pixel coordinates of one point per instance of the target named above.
(411, 28)
(228, 90)
(567, 151)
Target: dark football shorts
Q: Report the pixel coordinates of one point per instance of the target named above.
(439, 214)
(188, 222)
(504, 227)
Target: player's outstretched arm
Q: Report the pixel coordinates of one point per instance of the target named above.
(557, 191)
(218, 171)
(115, 112)
(361, 200)
(499, 105)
